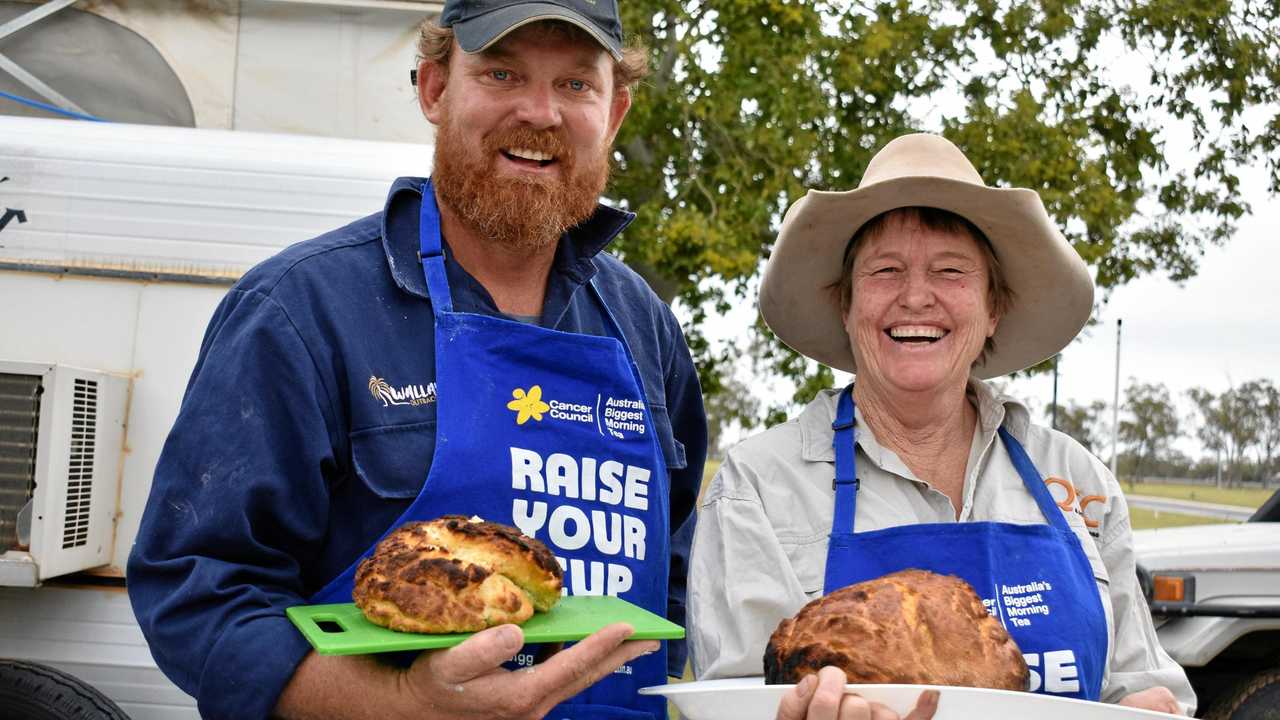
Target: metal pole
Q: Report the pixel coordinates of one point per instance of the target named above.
(1115, 402)
(33, 82)
(16, 70)
(34, 16)
(1053, 414)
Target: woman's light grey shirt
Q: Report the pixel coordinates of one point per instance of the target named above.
(759, 553)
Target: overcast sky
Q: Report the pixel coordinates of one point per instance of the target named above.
(1218, 329)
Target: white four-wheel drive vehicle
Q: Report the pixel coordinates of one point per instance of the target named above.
(1214, 591)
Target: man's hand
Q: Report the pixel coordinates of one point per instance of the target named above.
(822, 697)
(1158, 698)
(465, 681)
(468, 680)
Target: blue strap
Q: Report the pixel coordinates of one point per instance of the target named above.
(431, 252)
(845, 483)
(1033, 481)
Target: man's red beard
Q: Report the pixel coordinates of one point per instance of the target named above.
(525, 213)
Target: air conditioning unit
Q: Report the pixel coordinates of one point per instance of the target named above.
(61, 438)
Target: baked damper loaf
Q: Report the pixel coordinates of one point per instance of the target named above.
(912, 627)
(454, 574)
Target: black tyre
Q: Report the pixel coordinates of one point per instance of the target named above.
(29, 691)
(1257, 698)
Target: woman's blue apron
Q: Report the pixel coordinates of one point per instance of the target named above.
(1035, 579)
(551, 432)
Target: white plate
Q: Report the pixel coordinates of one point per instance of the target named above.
(751, 699)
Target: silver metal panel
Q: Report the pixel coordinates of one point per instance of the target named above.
(354, 82)
(91, 634)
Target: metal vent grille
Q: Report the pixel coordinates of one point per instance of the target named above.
(19, 422)
(84, 435)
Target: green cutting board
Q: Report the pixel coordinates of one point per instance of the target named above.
(343, 630)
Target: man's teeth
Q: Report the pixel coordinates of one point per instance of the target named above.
(526, 154)
(916, 332)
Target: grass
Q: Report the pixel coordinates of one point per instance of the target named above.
(1244, 497)
(1143, 519)
(708, 472)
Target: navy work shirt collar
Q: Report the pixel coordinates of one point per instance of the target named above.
(573, 262)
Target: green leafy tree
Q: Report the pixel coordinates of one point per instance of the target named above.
(1150, 424)
(1228, 427)
(754, 101)
(1263, 399)
(1085, 423)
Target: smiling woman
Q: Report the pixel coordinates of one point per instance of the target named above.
(924, 282)
(934, 221)
(928, 297)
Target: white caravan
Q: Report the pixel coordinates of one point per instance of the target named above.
(116, 244)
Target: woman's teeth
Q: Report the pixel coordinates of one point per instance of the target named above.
(916, 333)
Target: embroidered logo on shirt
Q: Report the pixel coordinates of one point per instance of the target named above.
(528, 404)
(1069, 500)
(407, 395)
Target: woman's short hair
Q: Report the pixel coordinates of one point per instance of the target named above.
(1000, 296)
(435, 45)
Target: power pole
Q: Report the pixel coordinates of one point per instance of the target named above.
(1053, 413)
(1115, 402)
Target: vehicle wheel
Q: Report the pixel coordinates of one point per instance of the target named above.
(1257, 698)
(29, 691)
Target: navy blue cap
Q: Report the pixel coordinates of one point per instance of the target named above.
(477, 24)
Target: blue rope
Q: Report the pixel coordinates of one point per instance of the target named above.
(49, 108)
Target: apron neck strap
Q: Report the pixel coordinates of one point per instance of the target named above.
(1033, 481)
(431, 252)
(844, 441)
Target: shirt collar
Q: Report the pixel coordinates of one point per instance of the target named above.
(994, 409)
(573, 255)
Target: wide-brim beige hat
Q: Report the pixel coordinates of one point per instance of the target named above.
(1052, 286)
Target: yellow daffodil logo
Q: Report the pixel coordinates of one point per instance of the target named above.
(528, 404)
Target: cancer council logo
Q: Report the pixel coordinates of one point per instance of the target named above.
(528, 404)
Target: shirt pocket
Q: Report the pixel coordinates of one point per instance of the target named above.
(672, 449)
(393, 460)
(808, 559)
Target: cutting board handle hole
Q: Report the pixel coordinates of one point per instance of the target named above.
(329, 626)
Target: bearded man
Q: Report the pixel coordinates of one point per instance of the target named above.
(457, 353)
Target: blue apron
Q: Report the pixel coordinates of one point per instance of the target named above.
(1035, 579)
(549, 431)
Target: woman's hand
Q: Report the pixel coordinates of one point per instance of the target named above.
(822, 697)
(1158, 698)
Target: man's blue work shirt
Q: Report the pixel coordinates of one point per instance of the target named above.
(286, 461)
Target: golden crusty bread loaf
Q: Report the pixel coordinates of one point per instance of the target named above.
(911, 627)
(452, 574)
